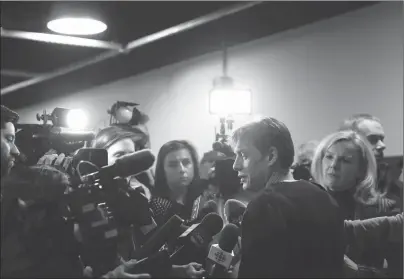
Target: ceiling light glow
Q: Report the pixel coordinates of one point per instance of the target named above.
(77, 26)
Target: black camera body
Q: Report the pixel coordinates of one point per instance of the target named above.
(34, 140)
(225, 177)
(302, 172)
(101, 210)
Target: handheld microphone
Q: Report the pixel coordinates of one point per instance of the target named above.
(234, 211)
(160, 237)
(222, 254)
(195, 240)
(208, 207)
(130, 164)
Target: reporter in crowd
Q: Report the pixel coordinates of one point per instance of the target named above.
(345, 165)
(372, 129)
(180, 181)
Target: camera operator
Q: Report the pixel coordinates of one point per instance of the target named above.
(9, 151)
(115, 145)
(37, 241)
(122, 140)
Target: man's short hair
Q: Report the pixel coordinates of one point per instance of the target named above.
(352, 122)
(266, 133)
(8, 115)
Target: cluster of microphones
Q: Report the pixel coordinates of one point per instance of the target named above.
(177, 243)
(204, 240)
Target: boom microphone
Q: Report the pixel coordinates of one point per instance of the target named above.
(222, 254)
(130, 164)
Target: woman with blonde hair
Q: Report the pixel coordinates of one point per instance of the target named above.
(345, 165)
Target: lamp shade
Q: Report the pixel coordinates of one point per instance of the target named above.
(76, 18)
(227, 99)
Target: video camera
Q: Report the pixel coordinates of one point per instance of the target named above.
(226, 179)
(302, 171)
(64, 135)
(101, 202)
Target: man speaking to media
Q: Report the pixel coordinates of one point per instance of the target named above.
(291, 229)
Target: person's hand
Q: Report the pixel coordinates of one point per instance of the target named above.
(137, 185)
(60, 161)
(191, 270)
(123, 270)
(350, 268)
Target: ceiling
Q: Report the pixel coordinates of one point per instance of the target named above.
(128, 21)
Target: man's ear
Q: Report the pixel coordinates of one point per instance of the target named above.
(272, 155)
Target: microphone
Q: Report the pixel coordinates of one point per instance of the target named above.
(195, 240)
(143, 233)
(130, 164)
(208, 207)
(222, 254)
(160, 237)
(234, 211)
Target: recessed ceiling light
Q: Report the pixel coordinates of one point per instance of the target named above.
(77, 26)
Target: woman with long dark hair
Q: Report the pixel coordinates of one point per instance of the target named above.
(179, 182)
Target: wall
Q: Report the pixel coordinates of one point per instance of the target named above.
(311, 78)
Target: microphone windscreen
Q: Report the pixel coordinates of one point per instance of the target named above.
(208, 207)
(134, 163)
(212, 224)
(234, 210)
(160, 237)
(229, 237)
